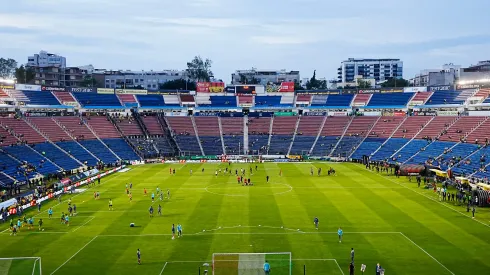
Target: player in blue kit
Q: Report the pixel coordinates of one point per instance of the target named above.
(151, 211)
(138, 254)
(316, 221)
(173, 231)
(340, 233)
(50, 213)
(267, 268)
(152, 197)
(179, 230)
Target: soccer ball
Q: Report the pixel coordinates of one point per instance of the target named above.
(43, 229)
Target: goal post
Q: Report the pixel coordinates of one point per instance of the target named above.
(251, 263)
(21, 265)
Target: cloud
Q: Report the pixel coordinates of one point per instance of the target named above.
(279, 40)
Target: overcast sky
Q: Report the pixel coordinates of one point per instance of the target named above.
(240, 34)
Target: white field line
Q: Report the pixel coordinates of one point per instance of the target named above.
(91, 218)
(163, 268)
(410, 240)
(34, 267)
(341, 271)
(432, 199)
(74, 255)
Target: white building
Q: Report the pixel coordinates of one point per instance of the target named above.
(264, 77)
(447, 75)
(378, 69)
(131, 79)
(45, 59)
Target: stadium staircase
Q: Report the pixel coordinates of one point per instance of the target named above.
(73, 138)
(221, 135)
(167, 139)
(245, 135)
(354, 149)
(294, 134)
(320, 130)
(413, 138)
(100, 140)
(164, 121)
(342, 136)
(50, 149)
(123, 130)
(197, 135)
(145, 130)
(270, 135)
(391, 135)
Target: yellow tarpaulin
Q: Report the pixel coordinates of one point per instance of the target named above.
(463, 180)
(439, 173)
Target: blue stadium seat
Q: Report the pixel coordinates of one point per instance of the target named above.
(389, 148)
(346, 146)
(280, 144)
(211, 145)
(151, 101)
(269, 101)
(41, 98)
(342, 101)
(432, 151)
(23, 153)
(97, 100)
(367, 147)
(324, 145)
(390, 99)
(457, 153)
(221, 101)
(409, 150)
(188, 145)
(473, 163)
(121, 148)
(302, 145)
(99, 150)
(444, 98)
(9, 166)
(233, 144)
(78, 152)
(257, 144)
(56, 155)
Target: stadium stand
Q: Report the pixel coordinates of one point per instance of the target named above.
(121, 148)
(308, 129)
(91, 100)
(332, 131)
(283, 128)
(185, 136)
(319, 100)
(40, 98)
(258, 134)
(420, 98)
(151, 100)
(390, 99)
(461, 128)
(444, 98)
(233, 135)
(49, 128)
(221, 102)
(357, 130)
(21, 129)
(361, 99)
(209, 134)
(128, 126)
(128, 100)
(245, 100)
(65, 98)
(57, 156)
(187, 100)
(76, 150)
(339, 101)
(29, 157)
(171, 100)
(270, 101)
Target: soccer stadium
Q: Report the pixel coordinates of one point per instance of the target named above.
(243, 181)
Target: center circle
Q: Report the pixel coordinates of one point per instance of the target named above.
(235, 190)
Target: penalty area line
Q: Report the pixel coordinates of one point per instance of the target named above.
(73, 255)
(165, 265)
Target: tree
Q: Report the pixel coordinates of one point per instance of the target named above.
(297, 86)
(24, 75)
(88, 81)
(199, 70)
(315, 84)
(178, 84)
(395, 82)
(363, 84)
(7, 67)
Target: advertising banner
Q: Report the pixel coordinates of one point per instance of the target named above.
(105, 91)
(7, 86)
(321, 92)
(210, 87)
(384, 91)
(414, 89)
(131, 92)
(27, 87)
(175, 114)
(399, 113)
(82, 90)
(284, 113)
(52, 89)
(205, 114)
(369, 91)
(337, 113)
(439, 88)
(372, 113)
(447, 113)
(245, 89)
(316, 114)
(415, 103)
(287, 87)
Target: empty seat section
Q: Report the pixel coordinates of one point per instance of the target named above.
(420, 98)
(303, 100)
(152, 125)
(25, 154)
(436, 127)
(308, 129)
(357, 131)
(341, 101)
(233, 134)
(287, 99)
(88, 100)
(387, 149)
(73, 148)
(128, 100)
(121, 148)
(330, 135)
(361, 99)
(183, 132)
(102, 126)
(187, 99)
(57, 156)
(480, 134)
(171, 100)
(76, 127)
(49, 128)
(13, 168)
(221, 102)
(390, 99)
(151, 100)
(41, 98)
(209, 135)
(7, 136)
(367, 147)
(144, 146)
(99, 150)
(128, 126)
(21, 129)
(319, 100)
(465, 94)
(269, 101)
(444, 97)
(473, 163)
(455, 155)
(65, 98)
(461, 128)
(19, 96)
(409, 150)
(258, 134)
(430, 153)
(282, 134)
(245, 100)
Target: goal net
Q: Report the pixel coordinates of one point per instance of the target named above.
(21, 265)
(251, 263)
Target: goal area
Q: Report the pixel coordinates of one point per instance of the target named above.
(251, 263)
(21, 265)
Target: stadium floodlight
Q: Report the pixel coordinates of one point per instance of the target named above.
(7, 81)
(251, 263)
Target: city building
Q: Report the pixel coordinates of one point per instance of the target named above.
(254, 76)
(45, 59)
(447, 75)
(149, 80)
(378, 69)
(476, 74)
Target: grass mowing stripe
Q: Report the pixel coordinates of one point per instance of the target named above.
(78, 251)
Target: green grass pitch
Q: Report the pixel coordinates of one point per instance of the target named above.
(386, 220)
